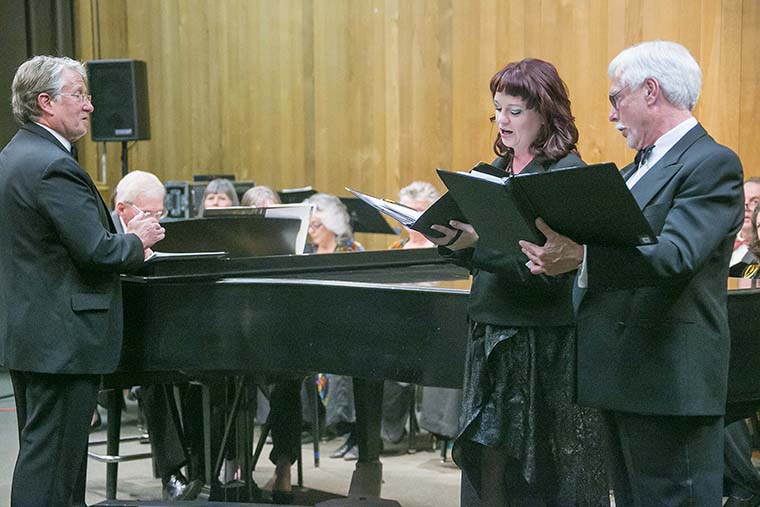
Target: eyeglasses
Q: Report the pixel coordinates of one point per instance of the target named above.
(752, 204)
(79, 96)
(614, 97)
(158, 215)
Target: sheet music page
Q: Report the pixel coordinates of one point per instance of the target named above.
(403, 214)
(474, 173)
(300, 212)
(183, 255)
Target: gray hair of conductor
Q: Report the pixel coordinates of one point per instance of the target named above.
(40, 74)
(670, 63)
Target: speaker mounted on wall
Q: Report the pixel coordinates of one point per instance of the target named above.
(119, 90)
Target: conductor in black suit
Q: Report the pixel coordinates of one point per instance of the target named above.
(60, 303)
(653, 338)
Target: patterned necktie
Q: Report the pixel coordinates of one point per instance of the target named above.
(642, 155)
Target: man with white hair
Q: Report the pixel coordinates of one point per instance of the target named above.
(653, 339)
(60, 303)
(142, 192)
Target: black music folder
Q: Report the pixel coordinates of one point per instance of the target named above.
(440, 212)
(591, 205)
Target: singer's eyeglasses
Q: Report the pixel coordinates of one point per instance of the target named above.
(614, 97)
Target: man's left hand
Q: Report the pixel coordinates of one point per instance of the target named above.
(559, 254)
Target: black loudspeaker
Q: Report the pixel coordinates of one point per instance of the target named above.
(119, 90)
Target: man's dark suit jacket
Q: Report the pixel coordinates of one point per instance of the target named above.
(652, 326)
(60, 303)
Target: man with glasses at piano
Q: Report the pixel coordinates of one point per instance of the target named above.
(142, 192)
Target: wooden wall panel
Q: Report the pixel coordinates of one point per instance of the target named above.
(377, 93)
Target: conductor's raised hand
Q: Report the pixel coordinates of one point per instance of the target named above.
(558, 255)
(147, 229)
(455, 237)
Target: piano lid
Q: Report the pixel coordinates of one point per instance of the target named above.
(424, 264)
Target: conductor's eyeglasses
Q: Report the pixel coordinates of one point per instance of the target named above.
(81, 97)
(158, 215)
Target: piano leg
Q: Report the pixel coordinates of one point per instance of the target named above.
(367, 479)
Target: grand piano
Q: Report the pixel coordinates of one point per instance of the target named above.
(398, 314)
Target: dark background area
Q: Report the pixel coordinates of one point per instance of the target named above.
(30, 27)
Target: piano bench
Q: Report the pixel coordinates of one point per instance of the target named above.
(112, 458)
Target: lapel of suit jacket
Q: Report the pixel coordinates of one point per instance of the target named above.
(37, 130)
(105, 214)
(627, 171)
(659, 175)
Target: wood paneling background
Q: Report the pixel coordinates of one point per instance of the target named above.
(374, 94)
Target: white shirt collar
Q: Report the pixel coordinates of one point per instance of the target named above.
(669, 139)
(661, 147)
(65, 142)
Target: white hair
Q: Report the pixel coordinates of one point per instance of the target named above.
(333, 214)
(40, 74)
(419, 191)
(138, 183)
(669, 63)
(260, 196)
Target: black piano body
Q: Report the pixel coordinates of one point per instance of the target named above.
(397, 314)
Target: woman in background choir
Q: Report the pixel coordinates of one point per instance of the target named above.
(523, 440)
(330, 226)
(260, 197)
(329, 231)
(219, 193)
(417, 195)
(397, 396)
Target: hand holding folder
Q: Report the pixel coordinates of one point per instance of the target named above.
(441, 212)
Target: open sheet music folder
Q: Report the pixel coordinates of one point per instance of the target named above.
(440, 212)
(591, 205)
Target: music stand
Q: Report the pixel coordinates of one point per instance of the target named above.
(295, 195)
(209, 177)
(239, 236)
(365, 218)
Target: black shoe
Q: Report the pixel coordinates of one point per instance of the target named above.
(176, 487)
(352, 454)
(736, 501)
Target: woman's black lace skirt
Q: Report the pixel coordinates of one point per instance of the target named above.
(519, 397)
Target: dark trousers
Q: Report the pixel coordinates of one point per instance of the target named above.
(166, 446)
(658, 461)
(285, 419)
(742, 479)
(53, 412)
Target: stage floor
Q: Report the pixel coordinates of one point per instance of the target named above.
(414, 480)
